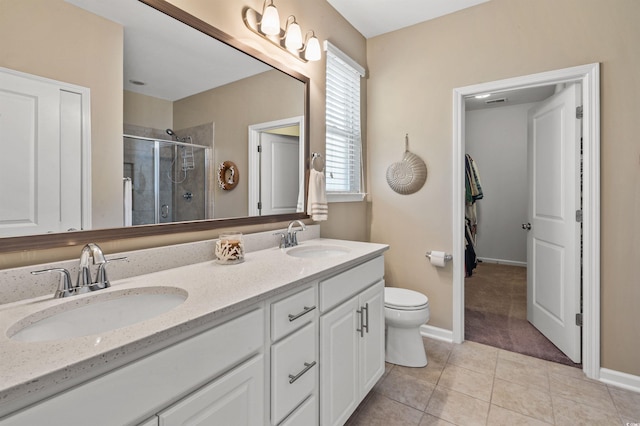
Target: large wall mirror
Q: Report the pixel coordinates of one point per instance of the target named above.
(161, 103)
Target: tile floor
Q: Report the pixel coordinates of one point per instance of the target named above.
(475, 384)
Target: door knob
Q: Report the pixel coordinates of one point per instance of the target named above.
(526, 226)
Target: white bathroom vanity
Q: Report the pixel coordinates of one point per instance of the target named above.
(284, 338)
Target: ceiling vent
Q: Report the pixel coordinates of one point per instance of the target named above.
(496, 101)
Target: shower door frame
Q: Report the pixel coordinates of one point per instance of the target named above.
(208, 210)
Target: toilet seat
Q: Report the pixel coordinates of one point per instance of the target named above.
(404, 299)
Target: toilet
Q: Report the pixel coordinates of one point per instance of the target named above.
(404, 312)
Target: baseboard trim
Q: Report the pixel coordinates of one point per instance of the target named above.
(436, 333)
(503, 262)
(610, 377)
(620, 379)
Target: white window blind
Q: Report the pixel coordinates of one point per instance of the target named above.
(343, 133)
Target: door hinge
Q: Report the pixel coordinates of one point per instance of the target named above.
(259, 148)
(259, 205)
(579, 112)
(579, 320)
(579, 216)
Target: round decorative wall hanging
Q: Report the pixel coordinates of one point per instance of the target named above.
(228, 175)
(409, 175)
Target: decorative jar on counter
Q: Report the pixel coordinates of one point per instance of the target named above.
(230, 248)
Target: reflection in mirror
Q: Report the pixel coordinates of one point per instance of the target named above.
(148, 72)
(170, 181)
(276, 176)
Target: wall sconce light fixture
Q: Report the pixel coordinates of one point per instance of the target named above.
(270, 22)
(290, 39)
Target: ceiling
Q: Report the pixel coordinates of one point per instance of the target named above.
(172, 72)
(171, 59)
(375, 17)
(510, 97)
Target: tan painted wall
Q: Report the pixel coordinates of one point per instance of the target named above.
(36, 37)
(147, 111)
(412, 74)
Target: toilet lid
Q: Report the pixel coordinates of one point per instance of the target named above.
(403, 298)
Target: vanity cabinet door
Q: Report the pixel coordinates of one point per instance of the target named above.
(372, 344)
(234, 399)
(351, 353)
(339, 343)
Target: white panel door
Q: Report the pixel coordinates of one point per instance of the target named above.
(279, 174)
(41, 164)
(29, 165)
(553, 241)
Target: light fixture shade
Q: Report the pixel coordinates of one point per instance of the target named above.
(293, 37)
(270, 23)
(312, 52)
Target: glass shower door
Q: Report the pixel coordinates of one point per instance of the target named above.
(170, 180)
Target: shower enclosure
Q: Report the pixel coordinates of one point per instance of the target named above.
(170, 180)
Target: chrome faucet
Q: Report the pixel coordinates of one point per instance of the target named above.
(94, 252)
(83, 284)
(292, 234)
(65, 288)
(290, 239)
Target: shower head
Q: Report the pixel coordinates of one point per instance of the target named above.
(170, 132)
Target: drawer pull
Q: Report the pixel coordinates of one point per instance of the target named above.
(306, 310)
(307, 367)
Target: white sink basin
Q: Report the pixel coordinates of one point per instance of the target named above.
(318, 250)
(97, 313)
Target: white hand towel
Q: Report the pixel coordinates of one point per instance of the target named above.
(317, 203)
(127, 202)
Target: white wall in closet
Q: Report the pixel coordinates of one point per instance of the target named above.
(496, 138)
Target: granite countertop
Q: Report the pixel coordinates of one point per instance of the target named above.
(30, 371)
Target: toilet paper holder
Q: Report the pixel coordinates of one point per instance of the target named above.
(447, 257)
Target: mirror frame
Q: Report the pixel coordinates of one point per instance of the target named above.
(66, 239)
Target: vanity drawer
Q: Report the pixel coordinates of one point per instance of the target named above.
(342, 286)
(306, 414)
(291, 313)
(294, 371)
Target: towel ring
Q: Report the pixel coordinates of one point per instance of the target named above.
(314, 157)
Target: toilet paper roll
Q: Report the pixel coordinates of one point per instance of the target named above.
(437, 258)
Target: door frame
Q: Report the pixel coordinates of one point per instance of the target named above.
(253, 172)
(589, 76)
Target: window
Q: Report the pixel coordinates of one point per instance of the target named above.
(343, 141)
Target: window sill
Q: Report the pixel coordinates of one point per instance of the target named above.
(344, 197)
